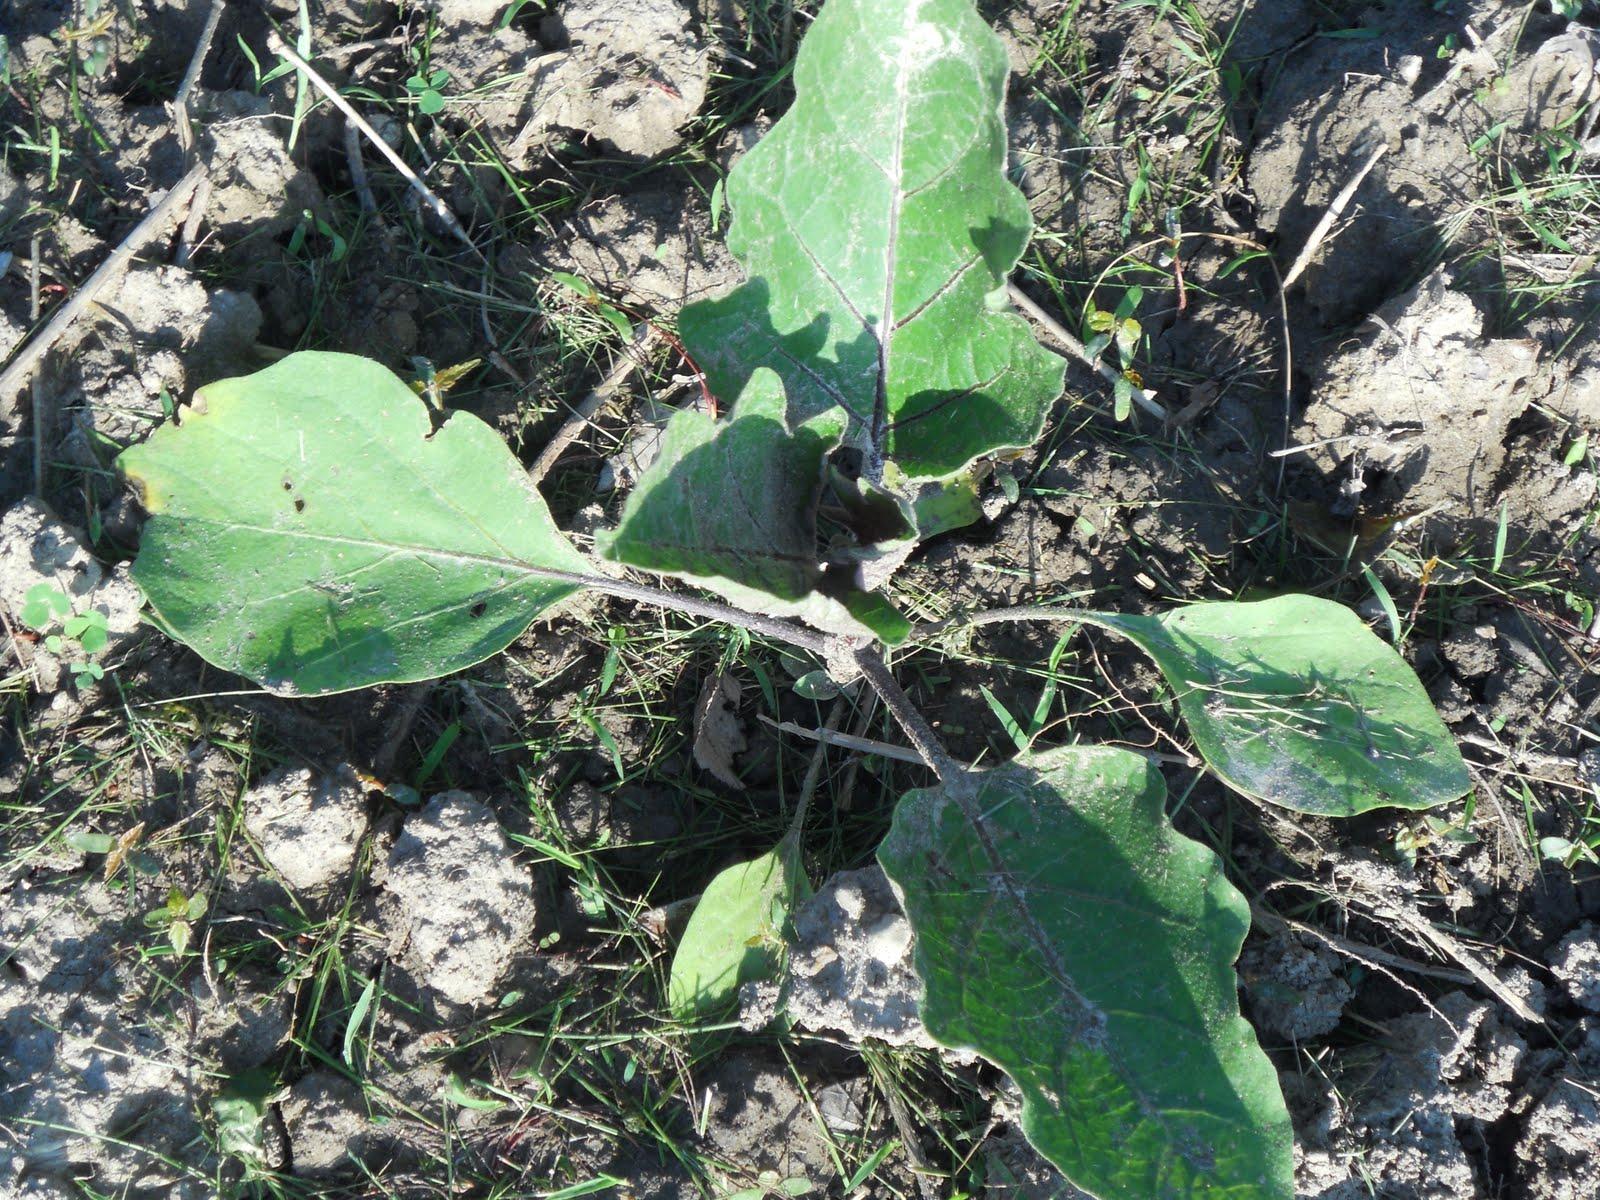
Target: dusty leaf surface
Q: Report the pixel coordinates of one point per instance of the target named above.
(309, 529)
(1296, 702)
(1066, 932)
(881, 294)
(731, 505)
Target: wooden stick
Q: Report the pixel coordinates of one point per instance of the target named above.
(1143, 398)
(632, 356)
(440, 208)
(21, 369)
(1320, 233)
(197, 62)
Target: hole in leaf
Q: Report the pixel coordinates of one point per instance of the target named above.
(478, 609)
(299, 504)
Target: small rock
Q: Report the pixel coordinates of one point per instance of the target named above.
(309, 826)
(327, 1122)
(1576, 963)
(465, 904)
(1294, 985)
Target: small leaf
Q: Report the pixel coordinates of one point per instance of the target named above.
(358, 1014)
(1296, 702)
(89, 843)
(736, 933)
(816, 685)
(239, 1110)
(42, 603)
(310, 529)
(575, 283)
(1067, 933)
(430, 102)
(459, 1092)
(731, 505)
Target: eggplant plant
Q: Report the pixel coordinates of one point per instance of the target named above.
(313, 528)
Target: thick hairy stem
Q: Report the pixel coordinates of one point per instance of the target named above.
(784, 631)
(922, 736)
(996, 616)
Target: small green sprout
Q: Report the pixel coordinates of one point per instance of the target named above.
(177, 916)
(44, 606)
(425, 87)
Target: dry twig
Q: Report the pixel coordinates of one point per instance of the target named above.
(1335, 210)
(631, 357)
(435, 202)
(21, 369)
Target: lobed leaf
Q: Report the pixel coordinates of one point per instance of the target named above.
(1296, 702)
(877, 228)
(310, 529)
(731, 506)
(1066, 932)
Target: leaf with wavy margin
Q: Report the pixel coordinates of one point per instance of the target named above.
(310, 529)
(1066, 932)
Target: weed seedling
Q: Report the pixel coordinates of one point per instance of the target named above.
(313, 527)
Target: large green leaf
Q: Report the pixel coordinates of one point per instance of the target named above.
(736, 933)
(731, 506)
(310, 529)
(1294, 701)
(1068, 934)
(877, 228)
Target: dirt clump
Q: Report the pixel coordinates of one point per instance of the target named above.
(1576, 963)
(1330, 105)
(256, 188)
(1418, 407)
(653, 248)
(850, 964)
(90, 1088)
(630, 74)
(161, 334)
(1559, 1151)
(1295, 987)
(308, 826)
(329, 1129)
(762, 1122)
(462, 905)
(1397, 1116)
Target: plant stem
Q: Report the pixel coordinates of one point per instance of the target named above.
(922, 736)
(784, 631)
(996, 616)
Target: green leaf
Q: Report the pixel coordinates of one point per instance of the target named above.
(877, 228)
(310, 529)
(1294, 701)
(1066, 932)
(239, 1110)
(732, 506)
(430, 102)
(42, 603)
(736, 933)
